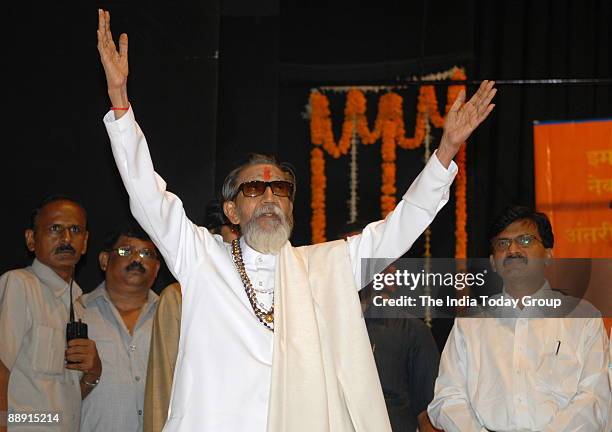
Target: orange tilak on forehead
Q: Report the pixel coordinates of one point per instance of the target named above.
(266, 174)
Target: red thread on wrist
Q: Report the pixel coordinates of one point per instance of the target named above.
(119, 109)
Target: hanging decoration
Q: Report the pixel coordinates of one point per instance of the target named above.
(353, 179)
(390, 129)
(427, 234)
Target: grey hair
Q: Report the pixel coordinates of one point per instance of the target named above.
(229, 190)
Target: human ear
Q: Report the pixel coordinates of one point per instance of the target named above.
(231, 211)
(103, 260)
(29, 239)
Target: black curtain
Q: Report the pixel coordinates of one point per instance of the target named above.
(269, 56)
(382, 43)
(523, 40)
(373, 44)
(55, 97)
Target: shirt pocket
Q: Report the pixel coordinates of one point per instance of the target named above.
(559, 371)
(49, 350)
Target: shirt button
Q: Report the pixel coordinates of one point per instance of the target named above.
(132, 347)
(259, 259)
(139, 412)
(137, 378)
(260, 283)
(518, 372)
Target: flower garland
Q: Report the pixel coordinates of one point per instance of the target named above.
(317, 189)
(354, 179)
(389, 127)
(427, 247)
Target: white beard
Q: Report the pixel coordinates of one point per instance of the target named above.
(268, 240)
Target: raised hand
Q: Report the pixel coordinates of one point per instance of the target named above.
(115, 62)
(462, 119)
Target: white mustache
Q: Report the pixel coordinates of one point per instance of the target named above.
(269, 208)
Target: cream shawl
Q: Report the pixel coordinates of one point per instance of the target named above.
(324, 377)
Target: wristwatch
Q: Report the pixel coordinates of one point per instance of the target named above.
(90, 384)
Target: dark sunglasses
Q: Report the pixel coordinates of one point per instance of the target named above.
(256, 188)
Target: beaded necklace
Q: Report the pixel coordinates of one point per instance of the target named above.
(265, 317)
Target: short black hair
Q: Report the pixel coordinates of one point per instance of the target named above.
(515, 213)
(131, 229)
(51, 199)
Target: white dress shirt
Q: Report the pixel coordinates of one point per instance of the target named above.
(523, 374)
(34, 310)
(222, 376)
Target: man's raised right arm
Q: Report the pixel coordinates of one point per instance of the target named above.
(159, 212)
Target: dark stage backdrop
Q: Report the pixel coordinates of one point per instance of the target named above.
(494, 40)
(269, 57)
(55, 97)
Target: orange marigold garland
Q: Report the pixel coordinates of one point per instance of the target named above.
(389, 125)
(387, 149)
(460, 205)
(318, 185)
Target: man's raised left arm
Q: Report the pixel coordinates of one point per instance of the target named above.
(429, 192)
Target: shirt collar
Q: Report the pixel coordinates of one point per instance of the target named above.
(101, 293)
(543, 292)
(251, 256)
(49, 278)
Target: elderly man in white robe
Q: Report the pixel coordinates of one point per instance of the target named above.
(272, 336)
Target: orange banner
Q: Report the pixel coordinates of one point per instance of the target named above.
(573, 184)
(573, 176)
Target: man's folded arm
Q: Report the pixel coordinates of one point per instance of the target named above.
(450, 408)
(587, 409)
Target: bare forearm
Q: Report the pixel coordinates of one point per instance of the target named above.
(425, 424)
(445, 153)
(119, 99)
(86, 389)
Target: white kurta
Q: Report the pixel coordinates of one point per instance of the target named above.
(223, 369)
(523, 374)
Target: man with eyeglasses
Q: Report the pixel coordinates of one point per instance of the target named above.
(520, 369)
(272, 336)
(119, 313)
(39, 372)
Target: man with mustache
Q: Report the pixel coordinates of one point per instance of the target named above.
(272, 336)
(119, 313)
(35, 375)
(519, 370)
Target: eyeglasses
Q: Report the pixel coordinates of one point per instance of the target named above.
(128, 251)
(256, 188)
(523, 241)
(56, 230)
